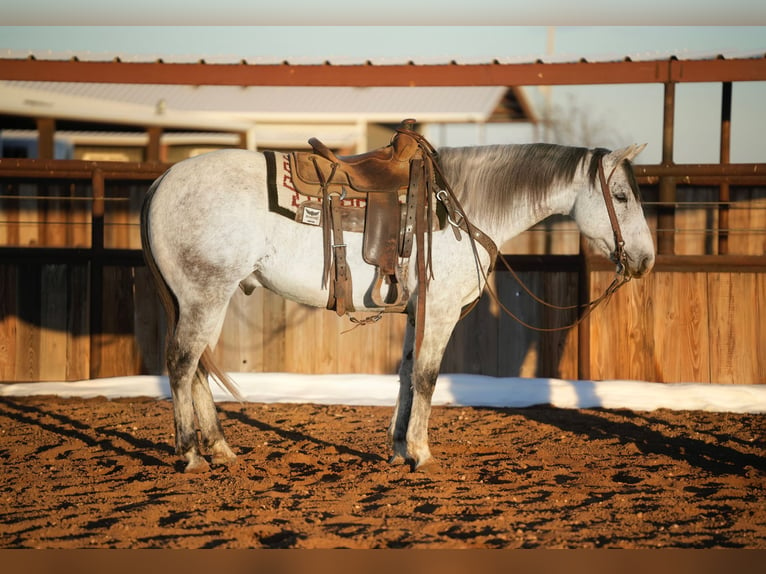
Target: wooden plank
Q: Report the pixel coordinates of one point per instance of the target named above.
(28, 216)
(395, 326)
(9, 207)
(734, 332)
(274, 325)
(27, 361)
(637, 320)
(9, 321)
(519, 346)
(117, 218)
(617, 331)
(240, 345)
(117, 348)
(78, 323)
(78, 230)
(251, 330)
(747, 215)
(474, 342)
(604, 343)
(681, 324)
(303, 351)
(695, 225)
(325, 329)
(53, 323)
(558, 349)
(150, 323)
(360, 348)
(226, 349)
(759, 319)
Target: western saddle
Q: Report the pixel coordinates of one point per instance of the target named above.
(398, 184)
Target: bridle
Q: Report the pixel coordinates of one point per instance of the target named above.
(619, 256)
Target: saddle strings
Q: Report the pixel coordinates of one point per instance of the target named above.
(589, 307)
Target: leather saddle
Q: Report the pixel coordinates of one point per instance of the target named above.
(392, 182)
(386, 169)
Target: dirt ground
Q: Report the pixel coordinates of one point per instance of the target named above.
(97, 473)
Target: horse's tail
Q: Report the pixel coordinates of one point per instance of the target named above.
(170, 303)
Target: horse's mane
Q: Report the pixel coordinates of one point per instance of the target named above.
(492, 181)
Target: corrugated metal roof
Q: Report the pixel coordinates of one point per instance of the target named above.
(474, 103)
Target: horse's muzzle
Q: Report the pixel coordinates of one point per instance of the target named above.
(632, 269)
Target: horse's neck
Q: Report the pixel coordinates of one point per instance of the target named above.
(504, 198)
(521, 215)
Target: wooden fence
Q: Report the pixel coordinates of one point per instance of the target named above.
(76, 300)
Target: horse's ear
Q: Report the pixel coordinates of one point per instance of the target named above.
(628, 153)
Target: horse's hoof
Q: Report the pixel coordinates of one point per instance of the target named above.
(429, 466)
(223, 459)
(222, 455)
(197, 466)
(396, 459)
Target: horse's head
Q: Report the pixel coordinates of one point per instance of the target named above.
(612, 181)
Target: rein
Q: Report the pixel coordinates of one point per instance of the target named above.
(619, 256)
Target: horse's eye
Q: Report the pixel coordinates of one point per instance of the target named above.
(621, 196)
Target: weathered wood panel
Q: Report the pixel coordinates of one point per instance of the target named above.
(695, 226)
(682, 327)
(115, 349)
(9, 325)
(43, 327)
(671, 326)
(150, 323)
(654, 329)
(490, 342)
(737, 335)
(240, 346)
(122, 215)
(747, 219)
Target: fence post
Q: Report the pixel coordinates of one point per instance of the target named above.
(583, 328)
(725, 193)
(666, 216)
(96, 273)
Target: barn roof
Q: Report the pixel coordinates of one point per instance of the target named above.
(277, 103)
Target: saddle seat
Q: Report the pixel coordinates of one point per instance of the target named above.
(385, 169)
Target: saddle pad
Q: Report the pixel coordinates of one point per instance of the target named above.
(285, 199)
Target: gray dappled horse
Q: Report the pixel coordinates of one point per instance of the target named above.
(207, 230)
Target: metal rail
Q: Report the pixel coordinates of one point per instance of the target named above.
(495, 73)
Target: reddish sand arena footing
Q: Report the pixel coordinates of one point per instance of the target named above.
(98, 473)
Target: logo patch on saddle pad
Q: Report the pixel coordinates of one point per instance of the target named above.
(286, 200)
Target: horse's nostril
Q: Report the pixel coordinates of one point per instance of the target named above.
(645, 264)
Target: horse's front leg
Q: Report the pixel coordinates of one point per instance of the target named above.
(397, 431)
(418, 374)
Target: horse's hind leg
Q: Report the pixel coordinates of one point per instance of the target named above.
(197, 326)
(182, 367)
(207, 418)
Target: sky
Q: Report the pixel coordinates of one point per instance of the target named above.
(619, 115)
(391, 12)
